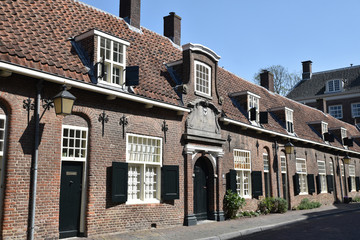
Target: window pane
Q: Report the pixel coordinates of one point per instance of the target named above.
(74, 144)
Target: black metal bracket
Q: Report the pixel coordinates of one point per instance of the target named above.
(123, 122)
(28, 105)
(164, 128)
(103, 118)
(229, 139)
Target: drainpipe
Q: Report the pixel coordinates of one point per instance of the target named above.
(34, 163)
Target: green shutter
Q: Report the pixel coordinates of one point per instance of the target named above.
(357, 181)
(296, 184)
(170, 182)
(349, 183)
(318, 184)
(119, 182)
(311, 183)
(256, 182)
(231, 180)
(330, 183)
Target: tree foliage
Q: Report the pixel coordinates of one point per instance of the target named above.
(283, 80)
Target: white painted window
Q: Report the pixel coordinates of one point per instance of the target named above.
(336, 111)
(266, 162)
(113, 53)
(331, 167)
(2, 134)
(355, 109)
(202, 78)
(74, 143)
(334, 86)
(253, 102)
(283, 164)
(301, 171)
(324, 128)
(322, 175)
(352, 177)
(289, 120)
(242, 165)
(342, 170)
(144, 156)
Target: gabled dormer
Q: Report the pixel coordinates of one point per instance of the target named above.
(321, 128)
(286, 116)
(333, 86)
(249, 103)
(104, 55)
(341, 134)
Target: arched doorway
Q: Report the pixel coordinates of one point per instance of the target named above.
(203, 189)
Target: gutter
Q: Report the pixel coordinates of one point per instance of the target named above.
(226, 120)
(89, 87)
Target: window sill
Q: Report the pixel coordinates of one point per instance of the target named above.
(140, 202)
(303, 193)
(203, 95)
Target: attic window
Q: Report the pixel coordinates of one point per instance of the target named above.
(324, 128)
(334, 86)
(202, 79)
(112, 55)
(343, 133)
(253, 108)
(289, 120)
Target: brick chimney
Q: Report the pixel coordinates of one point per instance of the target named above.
(307, 70)
(172, 27)
(321, 104)
(267, 80)
(130, 12)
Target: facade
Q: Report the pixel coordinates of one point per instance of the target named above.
(335, 92)
(157, 133)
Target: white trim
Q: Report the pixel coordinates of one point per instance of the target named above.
(148, 137)
(74, 159)
(279, 109)
(341, 83)
(285, 136)
(171, 64)
(341, 108)
(203, 49)
(2, 150)
(101, 34)
(208, 94)
(235, 94)
(331, 96)
(352, 112)
(268, 160)
(87, 86)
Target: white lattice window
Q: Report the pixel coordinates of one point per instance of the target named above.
(352, 177)
(334, 85)
(355, 109)
(2, 134)
(289, 120)
(74, 143)
(324, 128)
(322, 176)
(112, 52)
(336, 111)
(144, 155)
(253, 102)
(242, 165)
(301, 171)
(342, 170)
(202, 78)
(283, 164)
(266, 162)
(331, 166)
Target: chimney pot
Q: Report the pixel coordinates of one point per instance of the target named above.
(307, 70)
(130, 12)
(267, 80)
(172, 27)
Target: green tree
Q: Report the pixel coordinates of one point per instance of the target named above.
(283, 80)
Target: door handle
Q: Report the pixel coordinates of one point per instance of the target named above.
(204, 187)
(71, 182)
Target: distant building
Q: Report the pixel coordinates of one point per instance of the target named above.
(336, 92)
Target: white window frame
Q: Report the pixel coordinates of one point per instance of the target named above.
(322, 175)
(110, 62)
(198, 91)
(242, 165)
(253, 101)
(331, 166)
(283, 163)
(142, 165)
(289, 119)
(331, 86)
(2, 140)
(81, 139)
(342, 169)
(336, 111)
(302, 172)
(352, 176)
(355, 109)
(266, 162)
(324, 129)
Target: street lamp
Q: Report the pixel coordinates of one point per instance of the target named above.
(347, 159)
(289, 148)
(64, 102)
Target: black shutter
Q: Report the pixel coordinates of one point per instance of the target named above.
(256, 183)
(296, 184)
(348, 142)
(170, 182)
(318, 184)
(264, 117)
(349, 183)
(330, 183)
(231, 180)
(329, 137)
(132, 76)
(357, 181)
(253, 114)
(311, 183)
(119, 182)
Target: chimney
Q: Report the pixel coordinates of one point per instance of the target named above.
(267, 80)
(130, 12)
(321, 104)
(307, 70)
(172, 27)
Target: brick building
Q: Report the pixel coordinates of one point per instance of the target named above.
(158, 131)
(335, 91)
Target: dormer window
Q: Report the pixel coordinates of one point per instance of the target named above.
(253, 108)
(343, 133)
(202, 79)
(289, 120)
(324, 128)
(334, 86)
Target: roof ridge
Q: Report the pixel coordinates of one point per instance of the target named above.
(338, 69)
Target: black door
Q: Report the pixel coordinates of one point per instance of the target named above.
(267, 184)
(201, 187)
(284, 186)
(70, 199)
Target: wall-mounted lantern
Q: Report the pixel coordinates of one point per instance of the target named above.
(64, 102)
(289, 148)
(347, 159)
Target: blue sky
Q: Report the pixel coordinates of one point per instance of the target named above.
(253, 34)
